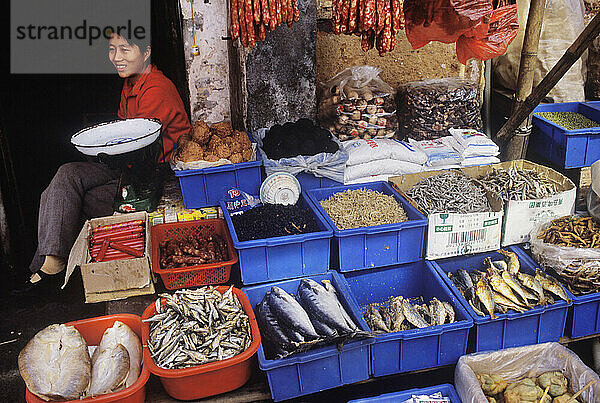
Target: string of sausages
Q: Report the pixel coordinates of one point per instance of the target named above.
(251, 19)
(376, 21)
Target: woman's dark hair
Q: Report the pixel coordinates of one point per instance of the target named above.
(142, 43)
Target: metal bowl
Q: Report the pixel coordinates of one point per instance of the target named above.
(117, 137)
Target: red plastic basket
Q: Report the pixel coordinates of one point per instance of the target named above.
(192, 276)
(92, 330)
(208, 379)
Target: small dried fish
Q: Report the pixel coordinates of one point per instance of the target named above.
(450, 192)
(519, 184)
(579, 232)
(196, 327)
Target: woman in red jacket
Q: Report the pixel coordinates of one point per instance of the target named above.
(83, 190)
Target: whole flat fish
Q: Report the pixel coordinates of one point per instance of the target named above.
(322, 304)
(110, 367)
(412, 316)
(55, 363)
(290, 313)
(122, 334)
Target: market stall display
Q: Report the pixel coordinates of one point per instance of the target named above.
(526, 374)
(56, 363)
(294, 244)
(200, 342)
(427, 109)
(357, 103)
(365, 238)
(501, 318)
(323, 367)
(124, 240)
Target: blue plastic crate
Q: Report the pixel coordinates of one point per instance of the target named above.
(584, 318)
(283, 257)
(399, 397)
(414, 349)
(566, 148)
(512, 329)
(309, 181)
(319, 369)
(206, 187)
(380, 245)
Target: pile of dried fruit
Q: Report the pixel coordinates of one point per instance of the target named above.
(215, 142)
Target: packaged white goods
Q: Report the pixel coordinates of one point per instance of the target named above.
(361, 151)
(380, 167)
(433, 398)
(356, 103)
(427, 109)
(472, 142)
(526, 374)
(478, 160)
(438, 152)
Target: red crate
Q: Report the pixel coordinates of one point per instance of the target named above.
(192, 276)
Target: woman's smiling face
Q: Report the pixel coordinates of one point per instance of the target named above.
(127, 58)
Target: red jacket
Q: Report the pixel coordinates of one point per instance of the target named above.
(154, 96)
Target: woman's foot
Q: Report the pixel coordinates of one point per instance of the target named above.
(48, 274)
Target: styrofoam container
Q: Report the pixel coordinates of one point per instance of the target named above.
(512, 329)
(566, 148)
(321, 368)
(414, 349)
(283, 257)
(379, 245)
(92, 330)
(117, 137)
(446, 389)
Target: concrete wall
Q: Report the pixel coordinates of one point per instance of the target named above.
(208, 73)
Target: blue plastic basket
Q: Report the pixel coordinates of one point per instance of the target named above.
(206, 187)
(584, 318)
(414, 349)
(284, 257)
(380, 245)
(319, 369)
(512, 329)
(309, 181)
(566, 148)
(399, 397)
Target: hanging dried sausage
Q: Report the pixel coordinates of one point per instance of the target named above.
(256, 9)
(264, 8)
(242, 21)
(352, 16)
(296, 11)
(234, 27)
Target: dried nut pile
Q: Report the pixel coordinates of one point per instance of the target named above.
(569, 120)
(581, 232)
(519, 184)
(450, 192)
(196, 327)
(363, 208)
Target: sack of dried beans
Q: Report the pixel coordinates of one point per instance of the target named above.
(356, 103)
(427, 109)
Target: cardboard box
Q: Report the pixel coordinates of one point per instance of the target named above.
(520, 217)
(115, 279)
(452, 234)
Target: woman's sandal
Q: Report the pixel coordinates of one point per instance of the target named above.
(46, 279)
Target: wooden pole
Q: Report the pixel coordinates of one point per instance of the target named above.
(572, 54)
(517, 146)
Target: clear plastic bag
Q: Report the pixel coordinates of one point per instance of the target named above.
(427, 109)
(593, 200)
(562, 24)
(325, 165)
(357, 103)
(513, 364)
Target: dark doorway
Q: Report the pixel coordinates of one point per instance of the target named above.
(39, 113)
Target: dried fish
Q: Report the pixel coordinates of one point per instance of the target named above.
(200, 326)
(398, 314)
(579, 232)
(450, 192)
(519, 184)
(363, 208)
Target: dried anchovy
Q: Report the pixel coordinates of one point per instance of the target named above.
(363, 208)
(581, 276)
(196, 327)
(581, 232)
(519, 184)
(450, 192)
